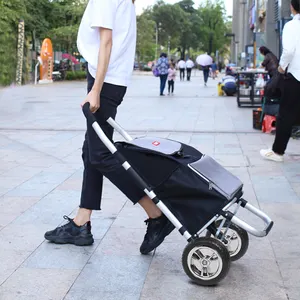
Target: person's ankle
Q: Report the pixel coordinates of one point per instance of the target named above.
(155, 215)
(83, 216)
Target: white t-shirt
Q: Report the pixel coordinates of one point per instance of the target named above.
(182, 64)
(120, 16)
(190, 64)
(291, 47)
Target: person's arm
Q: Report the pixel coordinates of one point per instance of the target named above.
(103, 58)
(265, 62)
(289, 42)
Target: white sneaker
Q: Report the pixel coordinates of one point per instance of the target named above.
(271, 155)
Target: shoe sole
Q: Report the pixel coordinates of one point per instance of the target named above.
(271, 159)
(164, 234)
(74, 241)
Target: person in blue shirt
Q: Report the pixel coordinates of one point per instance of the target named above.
(163, 68)
(214, 69)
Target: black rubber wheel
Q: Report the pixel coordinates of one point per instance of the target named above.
(206, 261)
(237, 240)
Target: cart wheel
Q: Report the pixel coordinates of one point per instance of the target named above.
(236, 240)
(206, 261)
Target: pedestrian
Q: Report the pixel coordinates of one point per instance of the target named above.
(289, 64)
(229, 83)
(171, 79)
(205, 70)
(220, 66)
(189, 66)
(163, 67)
(182, 67)
(270, 62)
(214, 69)
(107, 40)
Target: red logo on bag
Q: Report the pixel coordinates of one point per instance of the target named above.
(156, 143)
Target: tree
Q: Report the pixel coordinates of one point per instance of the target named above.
(190, 34)
(64, 25)
(37, 20)
(170, 21)
(145, 46)
(213, 26)
(11, 12)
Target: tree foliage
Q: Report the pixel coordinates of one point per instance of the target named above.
(186, 27)
(66, 17)
(145, 47)
(179, 26)
(213, 27)
(11, 12)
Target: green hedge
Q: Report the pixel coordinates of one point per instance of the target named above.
(75, 75)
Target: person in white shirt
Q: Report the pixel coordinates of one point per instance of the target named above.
(189, 66)
(107, 41)
(289, 110)
(182, 67)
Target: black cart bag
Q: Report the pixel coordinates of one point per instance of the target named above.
(192, 185)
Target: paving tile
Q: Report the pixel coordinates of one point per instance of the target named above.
(7, 218)
(7, 165)
(290, 271)
(243, 279)
(274, 189)
(50, 209)
(293, 293)
(231, 160)
(23, 172)
(16, 205)
(10, 261)
(71, 184)
(286, 248)
(132, 217)
(114, 277)
(38, 284)
(22, 237)
(121, 242)
(286, 218)
(64, 257)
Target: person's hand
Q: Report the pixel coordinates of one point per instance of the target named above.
(93, 98)
(280, 70)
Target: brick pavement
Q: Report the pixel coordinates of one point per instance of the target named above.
(41, 131)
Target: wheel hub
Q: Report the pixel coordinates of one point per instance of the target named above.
(205, 263)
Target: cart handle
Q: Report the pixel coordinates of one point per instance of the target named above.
(88, 114)
(258, 233)
(92, 119)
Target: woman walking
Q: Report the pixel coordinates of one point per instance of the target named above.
(289, 109)
(205, 70)
(270, 62)
(107, 39)
(171, 79)
(163, 67)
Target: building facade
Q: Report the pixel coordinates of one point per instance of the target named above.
(260, 20)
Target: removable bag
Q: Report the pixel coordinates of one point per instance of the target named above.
(217, 177)
(164, 146)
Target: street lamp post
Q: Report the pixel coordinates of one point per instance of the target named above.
(255, 34)
(157, 26)
(156, 43)
(244, 3)
(234, 44)
(236, 52)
